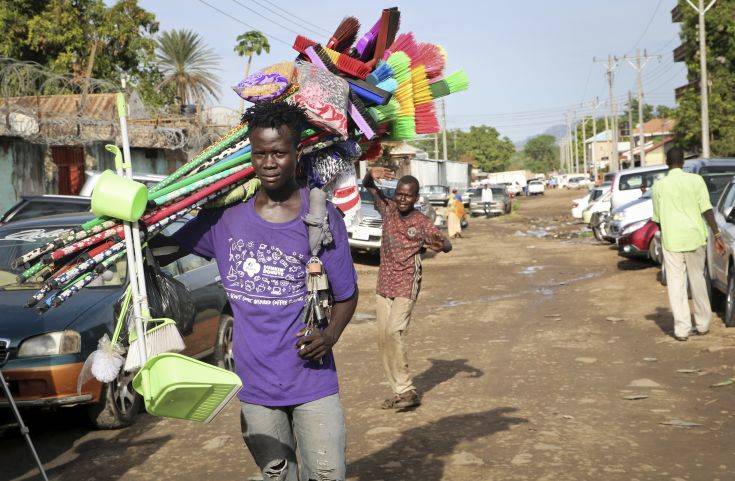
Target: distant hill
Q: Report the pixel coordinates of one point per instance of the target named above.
(558, 131)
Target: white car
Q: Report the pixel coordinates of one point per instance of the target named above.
(536, 187)
(600, 205)
(513, 188)
(629, 184)
(577, 182)
(631, 216)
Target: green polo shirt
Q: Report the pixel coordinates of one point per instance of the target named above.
(679, 199)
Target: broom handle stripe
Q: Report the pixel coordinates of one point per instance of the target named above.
(198, 184)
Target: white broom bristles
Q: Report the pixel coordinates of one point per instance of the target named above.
(165, 338)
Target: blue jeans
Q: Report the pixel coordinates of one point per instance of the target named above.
(316, 429)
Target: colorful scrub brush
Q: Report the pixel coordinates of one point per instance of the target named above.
(381, 73)
(453, 83)
(403, 128)
(404, 43)
(343, 62)
(389, 85)
(345, 34)
(385, 113)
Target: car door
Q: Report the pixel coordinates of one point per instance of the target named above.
(201, 278)
(719, 262)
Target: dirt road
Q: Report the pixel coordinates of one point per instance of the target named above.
(529, 344)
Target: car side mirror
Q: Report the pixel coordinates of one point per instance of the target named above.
(730, 215)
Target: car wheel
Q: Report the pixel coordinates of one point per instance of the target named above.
(223, 355)
(663, 272)
(119, 404)
(730, 301)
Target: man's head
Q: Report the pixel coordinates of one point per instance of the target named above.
(675, 157)
(407, 193)
(274, 132)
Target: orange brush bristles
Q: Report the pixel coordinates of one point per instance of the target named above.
(420, 84)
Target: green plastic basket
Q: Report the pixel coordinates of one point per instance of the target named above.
(177, 386)
(119, 197)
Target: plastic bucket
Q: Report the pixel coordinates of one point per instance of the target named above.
(177, 386)
(119, 197)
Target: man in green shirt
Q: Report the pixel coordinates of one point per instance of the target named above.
(680, 206)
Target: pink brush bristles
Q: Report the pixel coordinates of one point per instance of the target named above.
(431, 57)
(405, 42)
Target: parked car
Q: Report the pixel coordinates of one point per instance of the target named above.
(631, 216)
(599, 223)
(719, 268)
(536, 187)
(641, 242)
(435, 194)
(41, 355)
(500, 205)
(513, 188)
(629, 184)
(577, 181)
(91, 177)
(467, 195)
(32, 206)
(602, 204)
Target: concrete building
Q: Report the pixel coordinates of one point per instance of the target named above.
(600, 148)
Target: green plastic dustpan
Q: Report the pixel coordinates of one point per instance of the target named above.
(177, 386)
(119, 197)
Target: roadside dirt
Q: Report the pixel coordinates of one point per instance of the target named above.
(540, 353)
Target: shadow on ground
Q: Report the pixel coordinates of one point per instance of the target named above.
(634, 264)
(423, 451)
(441, 371)
(664, 319)
(59, 433)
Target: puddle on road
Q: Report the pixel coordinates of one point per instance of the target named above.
(531, 270)
(545, 290)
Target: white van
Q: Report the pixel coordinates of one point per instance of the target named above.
(628, 184)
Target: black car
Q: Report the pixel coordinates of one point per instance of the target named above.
(32, 206)
(41, 355)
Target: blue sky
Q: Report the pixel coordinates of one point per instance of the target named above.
(528, 60)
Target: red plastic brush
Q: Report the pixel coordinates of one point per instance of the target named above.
(373, 151)
(345, 35)
(344, 63)
(389, 22)
(426, 121)
(431, 57)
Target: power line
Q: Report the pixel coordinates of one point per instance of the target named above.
(648, 25)
(263, 16)
(297, 17)
(301, 24)
(244, 23)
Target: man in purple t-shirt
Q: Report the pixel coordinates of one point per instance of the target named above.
(290, 396)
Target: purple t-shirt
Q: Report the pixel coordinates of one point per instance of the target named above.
(263, 270)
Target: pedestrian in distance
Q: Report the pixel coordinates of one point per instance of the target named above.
(486, 199)
(406, 234)
(681, 205)
(290, 410)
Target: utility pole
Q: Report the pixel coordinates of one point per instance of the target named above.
(436, 145)
(612, 64)
(701, 11)
(444, 130)
(569, 143)
(584, 143)
(638, 63)
(630, 129)
(576, 147)
(594, 104)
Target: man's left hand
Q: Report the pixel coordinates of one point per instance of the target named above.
(314, 346)
(719, 246)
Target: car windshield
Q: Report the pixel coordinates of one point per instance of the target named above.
(640, 179)
(40, 207)
(474, 192)
(16, 242)
(716, 179)
(498, 190)
(595, 194)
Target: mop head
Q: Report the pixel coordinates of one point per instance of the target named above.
(103, 364)
(163, 337)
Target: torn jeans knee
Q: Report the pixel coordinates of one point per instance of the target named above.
(275, 470)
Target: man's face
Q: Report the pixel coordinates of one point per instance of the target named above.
(406, 196)
(274, 156)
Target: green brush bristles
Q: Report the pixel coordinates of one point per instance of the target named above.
(400, 63)
(403, 128)
(457, 81)
(385, 113)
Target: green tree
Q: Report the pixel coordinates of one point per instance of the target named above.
(720, 26)
(84, 38)
(188, 64)
(249, 44)
(541, 154)
(483, 147)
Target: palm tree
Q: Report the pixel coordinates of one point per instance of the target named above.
(187, 63)
(249, 43)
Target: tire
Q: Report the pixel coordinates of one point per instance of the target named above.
(730, 301)
(663, 274)
(223, 356)
(118, 406)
